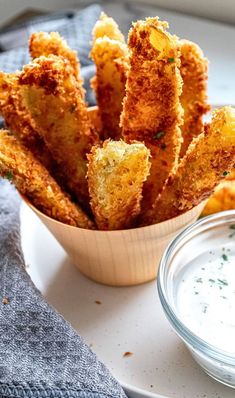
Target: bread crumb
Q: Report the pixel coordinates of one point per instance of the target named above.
(127, 354)
(5, 301)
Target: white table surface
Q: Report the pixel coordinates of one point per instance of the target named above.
(128, 319)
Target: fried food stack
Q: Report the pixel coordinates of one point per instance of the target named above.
(151, 158)
(110, 54)
(152, 112)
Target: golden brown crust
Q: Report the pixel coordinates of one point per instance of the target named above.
(111, 60)
(56, 109)
(33, 181)
(106, 26)
(13, 112)
(222, 199)
(151, 110)
(42, 43)
(8, 110)
(116, 173)
(208, 160)
(231, 175)
(194, 71)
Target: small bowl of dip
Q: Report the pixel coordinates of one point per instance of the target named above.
(196, 285)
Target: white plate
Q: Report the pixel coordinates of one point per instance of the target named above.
(126, 320)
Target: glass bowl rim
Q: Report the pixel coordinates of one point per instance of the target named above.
(196, 343)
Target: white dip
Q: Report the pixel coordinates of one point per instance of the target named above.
(205, 295)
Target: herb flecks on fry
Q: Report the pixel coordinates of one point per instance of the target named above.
(116, 174)
(194, 71)
(56, 108)
(151, 93)
(201, 169)
(151, 110)
(33, 181)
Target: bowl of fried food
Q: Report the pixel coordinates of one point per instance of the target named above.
(115, 183)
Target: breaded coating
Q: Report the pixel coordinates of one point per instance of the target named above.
(95, 120)
(31, 178)
(14, 120)
(106, 26)
(13, 112)
(116, 173)
(194, 71)
(56, 109)
(111, 60)
(7, 81)
(42, 43)
(222, 199)
(208, 160)
(231, 175)
(152, 112)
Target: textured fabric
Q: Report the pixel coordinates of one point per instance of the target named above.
(75, 27)
(40, 354)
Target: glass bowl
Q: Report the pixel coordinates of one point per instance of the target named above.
(196, 285)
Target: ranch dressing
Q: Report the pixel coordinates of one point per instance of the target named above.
(205, 294)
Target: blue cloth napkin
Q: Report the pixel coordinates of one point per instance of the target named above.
(41, 356)
(40, 353)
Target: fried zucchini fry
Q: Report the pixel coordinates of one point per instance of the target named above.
(56, 109)
(152, 112)
(222, 199)
(194, 71)
(42, 43)
(208, 160)
(106, 26)
(116, 173)
(111, 59)
(12, 110)
(32, 180)
(7, 80)
(8, 109)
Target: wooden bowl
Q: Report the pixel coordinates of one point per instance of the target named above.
(118, 258)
